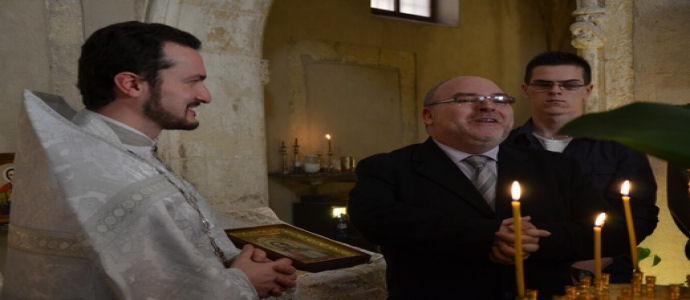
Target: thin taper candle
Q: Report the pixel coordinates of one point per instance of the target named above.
(625, 190)
(597, 246)
(517, 225)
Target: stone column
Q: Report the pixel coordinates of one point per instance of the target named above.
(588, 39)
(225, 158)
(603, 36)
(64, 36)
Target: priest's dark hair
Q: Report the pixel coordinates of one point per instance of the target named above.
(125, 47)
(558, 58)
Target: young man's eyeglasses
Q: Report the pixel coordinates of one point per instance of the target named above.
(474, 99)
(543, 85)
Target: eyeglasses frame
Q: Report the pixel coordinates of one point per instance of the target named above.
(560, 84)
(475, 100)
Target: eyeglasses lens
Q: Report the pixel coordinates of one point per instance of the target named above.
(548, 85)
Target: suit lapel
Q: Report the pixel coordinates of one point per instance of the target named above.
(431, 162)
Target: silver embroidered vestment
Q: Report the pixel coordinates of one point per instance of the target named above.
(96, 216)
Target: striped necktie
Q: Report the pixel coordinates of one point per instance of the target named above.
(484, 178)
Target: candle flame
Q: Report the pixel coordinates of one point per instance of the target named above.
(328, 136)
(600, 220)
(515, 191)
(625, 188)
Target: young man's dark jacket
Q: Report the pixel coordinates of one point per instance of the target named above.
(607, 164)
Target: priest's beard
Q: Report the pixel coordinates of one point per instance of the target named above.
(153, 108)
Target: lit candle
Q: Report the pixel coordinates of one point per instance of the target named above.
(625, 190)
(517, 225)
(597, 246)
(330, 149)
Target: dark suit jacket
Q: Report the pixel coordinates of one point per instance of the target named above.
(435, 229)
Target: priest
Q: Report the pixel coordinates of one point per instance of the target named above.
(95, 214)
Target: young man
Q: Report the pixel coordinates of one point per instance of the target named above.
(444, 224)
(557, 84)
(97, 215)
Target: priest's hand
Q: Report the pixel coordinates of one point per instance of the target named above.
(260, 256)
(503, 251)
(269, 278)
(284, 267)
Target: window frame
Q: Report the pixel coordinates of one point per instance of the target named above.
(400, 15)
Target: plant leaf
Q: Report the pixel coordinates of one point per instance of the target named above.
(642, 253)
(656, 261)
(662, 130)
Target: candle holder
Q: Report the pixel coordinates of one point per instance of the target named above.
(331, 166)
(296, 164)
(285, 169)
(674, 291)
(335, 165)
(637, 282)
(650, 285)
(319, 157)
(637, 289)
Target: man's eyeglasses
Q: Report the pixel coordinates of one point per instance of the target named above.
(543, 85)
(474, 99)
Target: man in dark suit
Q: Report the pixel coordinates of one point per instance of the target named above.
(442, 236)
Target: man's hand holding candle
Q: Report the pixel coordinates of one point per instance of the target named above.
(502, 250)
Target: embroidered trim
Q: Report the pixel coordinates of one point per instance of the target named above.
(112, 217)
(47, 242)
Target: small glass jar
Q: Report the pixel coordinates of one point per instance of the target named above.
(311, 164)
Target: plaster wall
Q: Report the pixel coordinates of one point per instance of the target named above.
(662, 73)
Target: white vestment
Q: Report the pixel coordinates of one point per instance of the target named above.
(96, 216)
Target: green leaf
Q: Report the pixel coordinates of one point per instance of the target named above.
(642, 253)
(656, 261)
(662, 130)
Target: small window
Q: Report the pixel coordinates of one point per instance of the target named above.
(407, 9)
